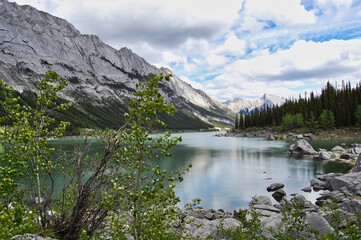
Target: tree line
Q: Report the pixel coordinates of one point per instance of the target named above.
(334, 107)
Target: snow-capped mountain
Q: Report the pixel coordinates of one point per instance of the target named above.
(33, 42)
(267, 100)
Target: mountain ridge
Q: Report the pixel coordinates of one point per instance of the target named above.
(267, 100)
(33, 42)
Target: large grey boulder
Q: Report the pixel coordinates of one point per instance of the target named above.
(318, 184)
(349, 183)
(357, 167)
(261, 200)
(338, 149)
(324, 155)
(302, 147)
(203, 228)
(352, 206)
(317, 222)
(279, 195)
(275, 186)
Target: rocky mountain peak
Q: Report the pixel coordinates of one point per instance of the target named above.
(33, 42)
(267, 100)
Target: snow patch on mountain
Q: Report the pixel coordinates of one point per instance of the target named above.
(267, 100)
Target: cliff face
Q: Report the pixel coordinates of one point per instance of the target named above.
(33, 42)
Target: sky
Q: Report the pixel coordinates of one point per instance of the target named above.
(230, 48)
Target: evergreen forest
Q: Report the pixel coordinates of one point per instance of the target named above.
(334, 107)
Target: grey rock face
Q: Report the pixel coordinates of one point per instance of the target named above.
(33, 42)
(350, 182)
(351, 206)
(357, 167)
(317, 222)
(275, 186)
(302, 147)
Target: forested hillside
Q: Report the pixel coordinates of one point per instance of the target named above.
(336, 106)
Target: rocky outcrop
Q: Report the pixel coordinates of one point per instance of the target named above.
(302, 147)
(357, 167)
(33, 42)
(202, 223)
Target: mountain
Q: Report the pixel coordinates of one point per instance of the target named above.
(102, 78)
(267, 100)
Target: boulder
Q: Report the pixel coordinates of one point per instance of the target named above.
(261, 200)
(203, 228)
(300, 200)
(338, 149)
(209, 214)
(352, 206)
(302, 147)
(266, 208)
(279, 195)
(318, 223)
(275, 186)
(349, 184)
(270, 137)
(357, 167)
(318, 184)
(307, 189)
(324, 155)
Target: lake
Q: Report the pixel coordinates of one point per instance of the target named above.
(228, 171)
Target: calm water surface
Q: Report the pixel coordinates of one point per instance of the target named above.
(228, 171)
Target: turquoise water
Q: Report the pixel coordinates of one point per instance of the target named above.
(228, 171)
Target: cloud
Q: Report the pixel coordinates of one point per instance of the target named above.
(160, 23)
(286, 71)
(280, 12)
(215, 61)
(232, 46)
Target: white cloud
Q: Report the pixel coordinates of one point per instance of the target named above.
(215, 61)
(336, 3)
(281, 12)
(232, 46)
(252, 24)
(288, 70)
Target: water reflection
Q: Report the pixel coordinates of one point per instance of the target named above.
(228, 172)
